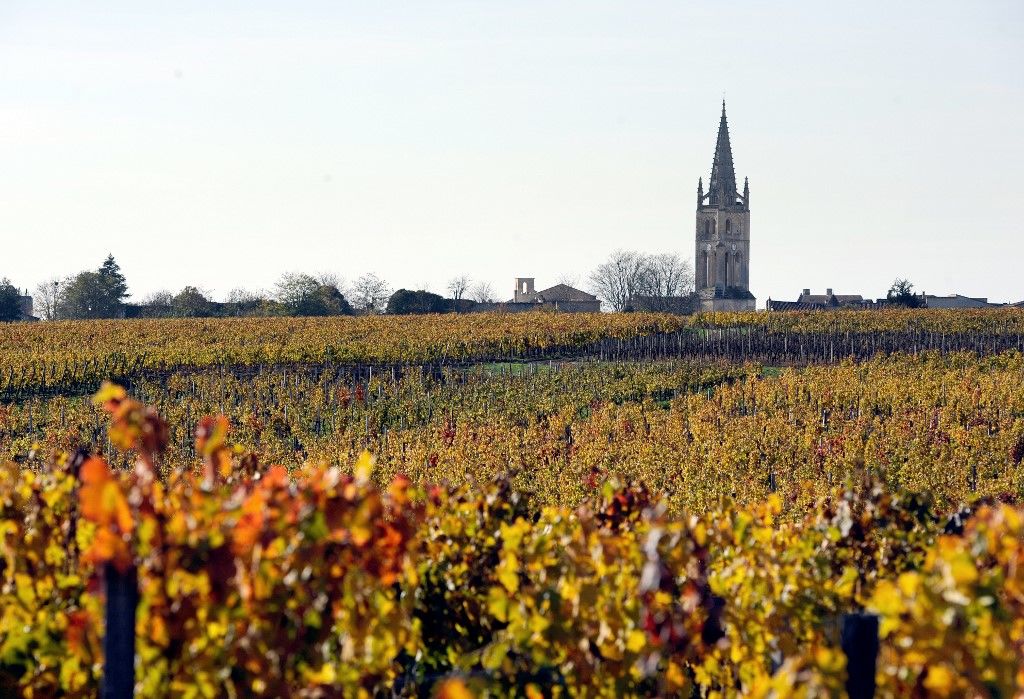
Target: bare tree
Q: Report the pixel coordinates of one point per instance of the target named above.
(163, 297)
(568, 279)
(483, 292)
(669, 275)
(668, 286)
(294, 289)
(658, 278)
(239, 295)
(333, 280)
(370, 294)
(622, 277)
(250, 302)
(47, 297)
(457, 287)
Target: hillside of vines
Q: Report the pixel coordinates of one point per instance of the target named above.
(59, 357)
(523, 505)
(257, 582)
(949, 425)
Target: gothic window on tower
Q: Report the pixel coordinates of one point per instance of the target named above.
(728, 226)
(707, 227)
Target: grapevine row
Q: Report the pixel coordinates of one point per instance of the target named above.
(32, 375)
(953, 425)
(254, 582)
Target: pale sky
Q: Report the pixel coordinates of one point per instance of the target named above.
(221, 144)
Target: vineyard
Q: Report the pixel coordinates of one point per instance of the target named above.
(72, 357)
(539, 505)
(950, 425)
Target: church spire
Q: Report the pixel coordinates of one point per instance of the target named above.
(722, 187)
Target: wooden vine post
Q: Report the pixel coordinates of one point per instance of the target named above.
(860, 644)
(119, 636)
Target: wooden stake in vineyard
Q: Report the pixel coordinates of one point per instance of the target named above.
(860, 644)
(122, 591)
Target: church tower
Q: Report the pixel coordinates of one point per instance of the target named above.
(722, 259)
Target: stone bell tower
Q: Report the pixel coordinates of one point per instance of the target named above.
(722, 259)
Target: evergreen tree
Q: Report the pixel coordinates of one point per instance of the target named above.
(115, 286)
(10, 302)
(901, 293)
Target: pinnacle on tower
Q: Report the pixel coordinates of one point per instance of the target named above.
(700, 191)
(722, 188)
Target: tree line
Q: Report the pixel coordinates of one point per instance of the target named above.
(96, 293)
(628, 280)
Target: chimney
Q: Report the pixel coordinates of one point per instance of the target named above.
(807, 292)
(828, 292)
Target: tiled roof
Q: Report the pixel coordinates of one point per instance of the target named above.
(564, 292)
(793, 306)
(833, 300)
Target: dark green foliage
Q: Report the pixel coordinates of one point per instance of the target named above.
(327, 300)
(113, 281)
(98, 294)
(10, 302)
(901, 293)
(85, 296)
(405, 302)
(303, 295)
(190, 303)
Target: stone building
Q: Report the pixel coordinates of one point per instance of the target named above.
(828, 300)
(722, 259)
(958, 301)
(25, 304)
(814, 302)
(560, 297)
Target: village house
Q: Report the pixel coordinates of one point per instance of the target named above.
(829, 300)
(25, 304)
(560, 297)
(815, 302)
(958, 301)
